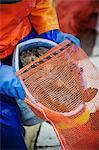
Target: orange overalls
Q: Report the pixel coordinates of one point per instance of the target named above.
(16, 21)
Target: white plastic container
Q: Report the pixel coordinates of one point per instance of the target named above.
(28, 117)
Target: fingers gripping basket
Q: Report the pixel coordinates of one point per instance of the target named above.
(62, 87)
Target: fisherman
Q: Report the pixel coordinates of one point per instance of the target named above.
(21, 20)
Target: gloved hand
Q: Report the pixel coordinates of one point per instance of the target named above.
(9, 83)
(58, 37)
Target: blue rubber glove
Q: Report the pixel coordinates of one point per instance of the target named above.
(9, 83)
(58, 37)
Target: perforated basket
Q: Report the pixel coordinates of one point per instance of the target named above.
(62, 87)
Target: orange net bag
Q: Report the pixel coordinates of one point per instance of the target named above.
(62, 87)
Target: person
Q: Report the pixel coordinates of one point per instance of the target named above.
(21, 20)
(79, 18)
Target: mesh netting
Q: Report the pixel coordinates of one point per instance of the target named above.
(62, 87)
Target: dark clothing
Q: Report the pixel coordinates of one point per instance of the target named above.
(11, 129)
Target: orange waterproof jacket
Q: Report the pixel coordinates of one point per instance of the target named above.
(16, 21)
